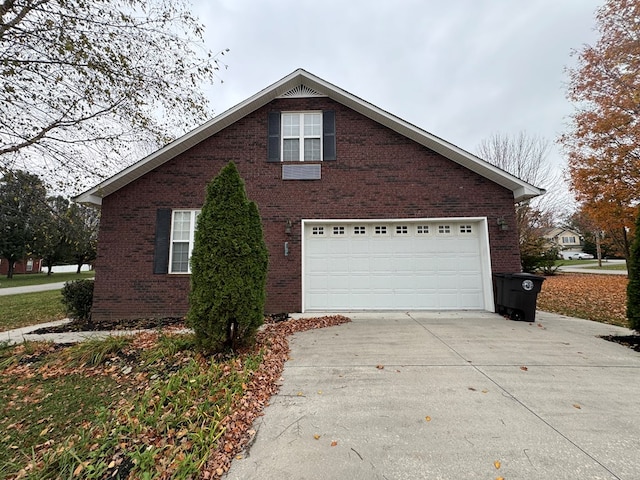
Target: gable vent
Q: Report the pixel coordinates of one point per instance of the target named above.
(301, 172)
(301, 91)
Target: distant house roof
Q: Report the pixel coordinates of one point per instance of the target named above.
(303, 80)
(557, 232)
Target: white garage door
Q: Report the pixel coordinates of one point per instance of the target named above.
(396, 265)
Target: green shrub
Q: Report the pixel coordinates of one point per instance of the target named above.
(77, 298)
(228, 267)
(633, 287)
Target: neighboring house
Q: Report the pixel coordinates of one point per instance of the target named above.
(564, 239)
(27, 265)
(361, 210)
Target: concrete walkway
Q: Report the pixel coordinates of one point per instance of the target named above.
(32, 288)
(444, 395)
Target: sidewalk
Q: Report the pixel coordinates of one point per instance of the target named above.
(32, 288)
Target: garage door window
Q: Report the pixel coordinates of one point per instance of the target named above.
(444, 229)
(359, 230)
(338, 231)
(317, 231)
(402, 230)
(465, 229)
(380, 230)
(422, 229)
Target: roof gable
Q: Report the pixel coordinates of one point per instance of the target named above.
(301, 83)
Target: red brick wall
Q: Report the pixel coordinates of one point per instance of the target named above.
(378, 174)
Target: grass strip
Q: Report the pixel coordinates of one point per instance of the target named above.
(26, 309)
(26, 280)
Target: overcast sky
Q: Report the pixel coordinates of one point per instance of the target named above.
(459, 69)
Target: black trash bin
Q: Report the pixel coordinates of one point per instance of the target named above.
(516, 294)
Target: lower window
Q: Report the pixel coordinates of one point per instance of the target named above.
(183, 228)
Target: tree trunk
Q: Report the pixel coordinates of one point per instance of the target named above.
(79, 268)
(598, 249)
(10, 269)
(627, 248)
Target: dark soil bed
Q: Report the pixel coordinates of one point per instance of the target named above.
(133, 324)
(631, 341)
(128, 324)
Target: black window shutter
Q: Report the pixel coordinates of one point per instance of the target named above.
(161, 251)
(273, 130)
(329, 134)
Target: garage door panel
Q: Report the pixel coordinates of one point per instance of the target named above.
(359, 264)
(317, 265)
(402, 269)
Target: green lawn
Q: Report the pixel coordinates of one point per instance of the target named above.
(26, 309)
(606, 266)
(574, 263)
(23, 280)
(592, 264)
(150, 407)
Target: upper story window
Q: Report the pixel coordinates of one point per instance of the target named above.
(183, 228)
(569, 240)
(301, 136)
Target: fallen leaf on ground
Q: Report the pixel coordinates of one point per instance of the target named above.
(497, 464)
(575, 405)
(524, 369)
(334, 443)
(427, 418)
(316, 436)
(595, 297)
(379, 367)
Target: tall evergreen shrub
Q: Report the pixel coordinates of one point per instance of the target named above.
(633, 287)
(228, 266)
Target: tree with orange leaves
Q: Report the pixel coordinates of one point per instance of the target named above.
(603, 143)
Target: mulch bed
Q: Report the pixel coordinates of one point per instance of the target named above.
(127, 324)
(631, 341)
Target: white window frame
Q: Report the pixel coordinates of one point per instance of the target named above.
(301, 137)
(192, 230)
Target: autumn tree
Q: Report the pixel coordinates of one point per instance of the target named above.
(526, 157)
(86, 81)
(22, 200)
(228, 265)
(603, 141)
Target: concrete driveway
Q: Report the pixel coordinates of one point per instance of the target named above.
(438, 395)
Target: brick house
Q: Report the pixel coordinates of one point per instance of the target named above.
(26, 265)
(361, 210)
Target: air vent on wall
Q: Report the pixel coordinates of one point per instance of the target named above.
(301, 91)
(301, 172)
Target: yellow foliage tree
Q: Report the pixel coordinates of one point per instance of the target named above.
(603, 143)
